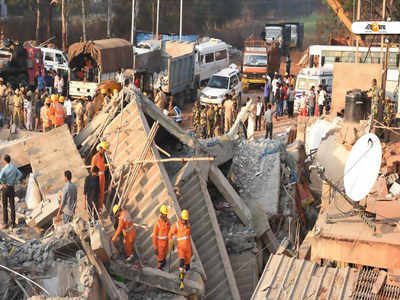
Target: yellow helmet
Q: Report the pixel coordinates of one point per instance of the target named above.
(115, 208)
(164, 209)
(61, 99)
(48, 100)
(103, 91)
(54, 98)
(115, 91)
(185, 215)
(145, 94)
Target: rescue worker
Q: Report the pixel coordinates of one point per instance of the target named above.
(203, 123)
(229, 112)
(45, 115)
(160, 237)
(375, 93)
(79, 115)
(210, 121)
(17, 115)
(59, 112)
(181, 230)
(126, 226)
(98, 160)
(53, 98)
(196, 117)
(160, 100)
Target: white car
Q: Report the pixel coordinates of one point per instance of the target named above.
(220, 84)
(54, 59)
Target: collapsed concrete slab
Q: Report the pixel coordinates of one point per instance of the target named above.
(193, 195)
(44, 213)
(245, 268)
(16, 149)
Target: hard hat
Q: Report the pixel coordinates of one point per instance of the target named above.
(61, 99)
(103, 145)
(286, 74)
(164, 210)
(103, 91)
(185, 215)
(48, 100)
(145, 94)
(115, 208)
(115, 91)
(54, 97)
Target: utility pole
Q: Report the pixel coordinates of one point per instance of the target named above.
(63, 30)
(133, 25)
(382, 36)
(158, 18)
(37, 35)
(180, 21)
(109, 4)
(83, 20)
(358, 38)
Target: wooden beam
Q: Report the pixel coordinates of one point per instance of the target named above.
(230, 195)
(156, 278)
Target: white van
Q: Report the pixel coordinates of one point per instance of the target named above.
(54, 59)
(309, 77)
(211, 57)
(220, 84)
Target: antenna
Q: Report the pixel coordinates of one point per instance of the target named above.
(360, 174)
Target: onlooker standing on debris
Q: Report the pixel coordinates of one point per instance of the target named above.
(68, 113)
(91, 192)
(98, 160)
(160, 237)
(290, 103)
(127, 228)
(9, 176)
(279, 100)
(259, 110)
(181, 230)
(275, 83)
(311, 102)
(268, 121)
(68, 198)
(321, 99)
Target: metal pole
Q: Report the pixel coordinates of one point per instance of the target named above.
(180, 21)
(158, 18)
(83, 20)
(382, 36)
(358, 38)
(133, 27)
(109, 4)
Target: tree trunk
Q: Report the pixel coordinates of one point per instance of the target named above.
(63, 30)
(109, 4)
(37, 35)
(83, 21)
(49, 19)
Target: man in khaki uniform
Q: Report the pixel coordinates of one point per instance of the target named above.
(89, 111)
(79, 111)
(10, 103)
(18, 109)
(3, 90)
(229, 112)
(210, 121)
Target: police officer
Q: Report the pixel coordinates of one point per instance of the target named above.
(235, 101)
(210, 121)
(388, 116)
(203, 123)
(375, 93)
(196, 117)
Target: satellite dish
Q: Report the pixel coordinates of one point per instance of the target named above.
(362, 167)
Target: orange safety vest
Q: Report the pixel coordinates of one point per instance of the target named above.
(182, 233)
(45, 114)
(125, 225)
(59, 114)
(98, 161)
(160, 232)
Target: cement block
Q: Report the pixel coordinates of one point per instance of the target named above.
(44, 213)
(100, 244)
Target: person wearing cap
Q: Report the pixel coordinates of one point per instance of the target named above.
(160, 237)
(99, 161)
(389, 114)
(181, 230)
(45, 115)
(59, 111)
(127, 228)
(375, 93)
(17, 114)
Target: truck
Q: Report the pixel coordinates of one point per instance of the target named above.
(260, 61)
(176, 77)
(288, 35)
(92, 62)
(20, 64)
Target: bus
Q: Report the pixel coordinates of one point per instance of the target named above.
(325, 56)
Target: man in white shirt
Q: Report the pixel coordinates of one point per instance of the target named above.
(321, 99)
(259, 109)
(68, 113)
(275, 82)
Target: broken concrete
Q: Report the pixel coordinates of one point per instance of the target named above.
(100, 243)
(44, 213)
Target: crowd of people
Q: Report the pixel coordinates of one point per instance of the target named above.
(315, 102)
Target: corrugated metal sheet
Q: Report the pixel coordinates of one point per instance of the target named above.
(206, 234)
(152, 187)
(290, 278)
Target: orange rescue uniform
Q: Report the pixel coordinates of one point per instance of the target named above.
(59, 114)
(98, 161)
(160, 240)
(45, 115)
(182, 233)
(53, 113)
(126, 226)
